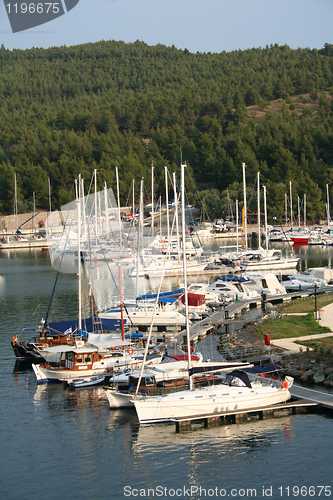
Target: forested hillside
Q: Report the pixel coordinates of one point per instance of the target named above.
(69, 110)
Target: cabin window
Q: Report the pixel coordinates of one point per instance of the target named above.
(87, 358)
(79, 359)
(70, 356)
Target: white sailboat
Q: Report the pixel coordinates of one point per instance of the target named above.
(237, 392)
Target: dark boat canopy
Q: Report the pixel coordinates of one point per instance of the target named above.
(258, 369)
(240, 375)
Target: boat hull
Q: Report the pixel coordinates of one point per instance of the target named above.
(119, 400)
(187, 404)
(47, 375)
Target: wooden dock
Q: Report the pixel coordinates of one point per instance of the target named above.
(239, 416)
(303, 400)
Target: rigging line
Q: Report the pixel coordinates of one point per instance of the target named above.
(188, 214)
(54, 286)
(287, 240)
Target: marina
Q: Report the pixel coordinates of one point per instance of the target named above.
(76, 421)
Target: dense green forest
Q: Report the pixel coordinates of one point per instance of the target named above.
(70, 110)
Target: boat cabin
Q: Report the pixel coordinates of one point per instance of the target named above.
(76, 358)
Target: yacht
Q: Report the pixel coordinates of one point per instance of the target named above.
(232, 288)
(264, 283)
(238, 391)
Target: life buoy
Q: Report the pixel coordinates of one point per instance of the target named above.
(114, 348)
(130, 350)
(284, 385)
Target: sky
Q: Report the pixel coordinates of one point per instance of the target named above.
(198, 25)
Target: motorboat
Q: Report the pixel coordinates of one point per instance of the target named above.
(263, 260)
(323, 275)
(211, 298)
(292, 284)
(232, 288)
(264, 283)
(87, 360)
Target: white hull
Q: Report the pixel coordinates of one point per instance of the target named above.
(57, 375)
(119, 400)
(12, 245)
(210, 400)
(273, 265)
(171, 268)
(141, 317)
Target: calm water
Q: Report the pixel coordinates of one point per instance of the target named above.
(62, 444)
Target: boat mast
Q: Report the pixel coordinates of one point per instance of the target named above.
(78, 207)
(185, 277)
(286, 203)
(83, 209)
(245, 207)
(96, 216)
(167, 202)
(237, 226)
(152, 200)
(106, 209)
(119, 218)
(259, 242)
(328, 208)
(140, 228)
(265, 206)
(15, 201)
(176, 211)
(121, 308)
(49, 183)
(291, 204)
(299, 212)
(33, 220)
(304, 210)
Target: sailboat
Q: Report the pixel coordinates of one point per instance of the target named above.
(236, 392)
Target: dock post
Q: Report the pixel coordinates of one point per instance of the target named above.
(266, 414)
(240, 417)
(212, 422)
(183, 425)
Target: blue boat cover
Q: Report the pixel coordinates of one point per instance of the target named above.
(90, 325)
(169, 300)
(173, 293)
(234, 278)
(133, 335)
